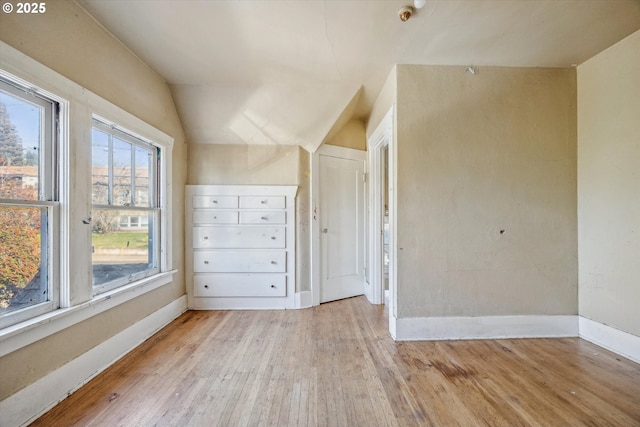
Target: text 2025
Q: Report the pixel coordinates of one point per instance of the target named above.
(31, 7)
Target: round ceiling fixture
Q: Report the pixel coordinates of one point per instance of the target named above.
(419, 4)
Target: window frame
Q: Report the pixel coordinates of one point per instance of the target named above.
(72, 242)
(47, 196)
(155, 176)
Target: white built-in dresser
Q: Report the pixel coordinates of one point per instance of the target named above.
(240, 246)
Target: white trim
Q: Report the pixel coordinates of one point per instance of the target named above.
(303, 299)
(34, 400)
(620, 342)
(393, 224)
(381, 137)
(385, 131)
(485, 327)
(342, 152)
(22, 334)
(393, 325)
(289, 191)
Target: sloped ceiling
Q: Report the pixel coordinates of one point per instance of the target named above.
(284, 72)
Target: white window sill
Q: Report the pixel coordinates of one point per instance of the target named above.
(22, 334)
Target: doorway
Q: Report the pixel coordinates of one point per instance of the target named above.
(386, 255)
(382, 208)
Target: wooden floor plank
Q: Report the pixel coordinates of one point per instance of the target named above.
(335, 365)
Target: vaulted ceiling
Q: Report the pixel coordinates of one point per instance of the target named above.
(285, 72)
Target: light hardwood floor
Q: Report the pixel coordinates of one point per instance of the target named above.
(335, 365)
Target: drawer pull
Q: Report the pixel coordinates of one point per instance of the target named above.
(206, 286)
(264, 202)
(206, 262)
(264, 218)
(214, 201)
(206, 237)
(272, 286)
(273, 237)
(273, 262)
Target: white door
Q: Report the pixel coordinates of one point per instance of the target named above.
(342, 226)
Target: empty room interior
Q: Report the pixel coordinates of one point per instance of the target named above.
(320, 212)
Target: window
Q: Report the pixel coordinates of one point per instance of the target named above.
(54, 194)
(28, 205)
(125, 207)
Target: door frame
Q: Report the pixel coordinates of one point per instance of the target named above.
(383, 136)
(316, 261)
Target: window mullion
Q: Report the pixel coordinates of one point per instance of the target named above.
(154, 185)
(132, 184)
(110, 171)
(46, 153)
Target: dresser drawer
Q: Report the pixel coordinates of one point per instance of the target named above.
(262, 202)
(263, 217)
(215, 202)
(239, 237)
(206, 216)
(239, 285)
(239, 261)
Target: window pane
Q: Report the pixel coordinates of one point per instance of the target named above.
(143, 169)
(122, 172)
(20, 130)
(122, 252)
(99, 167)
(23, 264)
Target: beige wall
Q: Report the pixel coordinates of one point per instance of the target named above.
(241, 164)
(68, 41)
(303, 223)
(609, 186)
(352, 135)
(486, 190)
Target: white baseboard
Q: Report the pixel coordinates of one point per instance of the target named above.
(393, 326)
(485, 327)
(34, 400)
(304, 299)
(622, 343)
